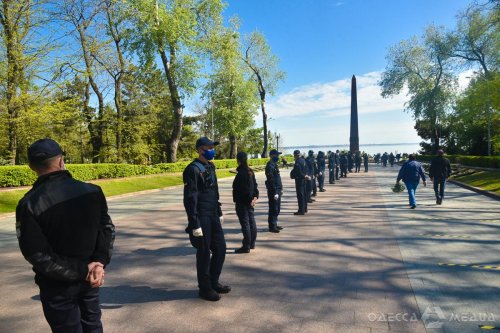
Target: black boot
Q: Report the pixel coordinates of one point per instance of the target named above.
(221, 289)
(209, 295)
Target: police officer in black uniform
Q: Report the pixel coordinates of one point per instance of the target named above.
(350, 161)
(357, 161)
(365, 161)
(337, 164)
(300, 176)
(65, 232)
(321, 164)
(203, 209)
(331, 167)
(343, 165)
(311, 172)
(274, 190)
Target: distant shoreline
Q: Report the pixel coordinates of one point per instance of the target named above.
(346, 145)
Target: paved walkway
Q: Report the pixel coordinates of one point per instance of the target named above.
(360, 261)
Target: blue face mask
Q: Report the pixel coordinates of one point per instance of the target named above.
(209, 154)
(275, 159)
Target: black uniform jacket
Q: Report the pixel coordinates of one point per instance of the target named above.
(244, 186)
(299, 170)
(273, 179)
(201, 193)
(62, 225)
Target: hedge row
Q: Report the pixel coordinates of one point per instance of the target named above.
(21, 175)
(474, 161)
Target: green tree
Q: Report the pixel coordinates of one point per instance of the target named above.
(475, 40)
(266, 74)
(476, 120)
(423, 68)
(179, 31)
(23, 50)
(231, 92)
(82, 17)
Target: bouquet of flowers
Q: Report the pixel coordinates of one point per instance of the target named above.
(398, 188)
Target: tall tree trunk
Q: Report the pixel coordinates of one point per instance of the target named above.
(264, 121)
(119, 118)
(13, 76)
(118, 80)
(175, 135)
(91, 125)
(95, 125)
(232, 146)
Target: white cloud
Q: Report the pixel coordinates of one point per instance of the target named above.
(331, 99)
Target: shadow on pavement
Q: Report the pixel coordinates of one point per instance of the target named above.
(113, 297)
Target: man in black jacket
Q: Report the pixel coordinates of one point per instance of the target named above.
(65, 232)
(439, 171)
(274, 190)
(204, 213)
(299, 174)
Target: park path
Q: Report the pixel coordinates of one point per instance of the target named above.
(359, 261)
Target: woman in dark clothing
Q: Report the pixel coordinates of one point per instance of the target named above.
(245, 194)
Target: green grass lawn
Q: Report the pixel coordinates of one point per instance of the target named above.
(486, 180)
(110, 187)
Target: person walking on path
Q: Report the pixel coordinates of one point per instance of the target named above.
(274, 188)
(299, 174)
(65, 233)
(245, 195)
(204, 213)
(410, 173)
(439, 171)
(365, 161)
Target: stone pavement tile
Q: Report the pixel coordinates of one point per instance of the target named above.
(331, 327)
(409, 327)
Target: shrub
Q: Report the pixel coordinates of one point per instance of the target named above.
(473, 161)
(21, 175)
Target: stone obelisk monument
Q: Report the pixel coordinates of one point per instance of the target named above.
(354, 138)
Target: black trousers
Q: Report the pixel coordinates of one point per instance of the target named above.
(274, 210)
(331, 175)
(314, 185)
(343, 171)
(300, 188)
(337, 170)
(366, 167)
(309, 188)
(321, 180)
(211, 251)
(71, 308)
(248, 226)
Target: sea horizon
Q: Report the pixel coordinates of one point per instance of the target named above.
(370, 148)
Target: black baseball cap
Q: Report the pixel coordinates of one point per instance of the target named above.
(43, 149)
(296, 152)
(274, 152)
(204, 141)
